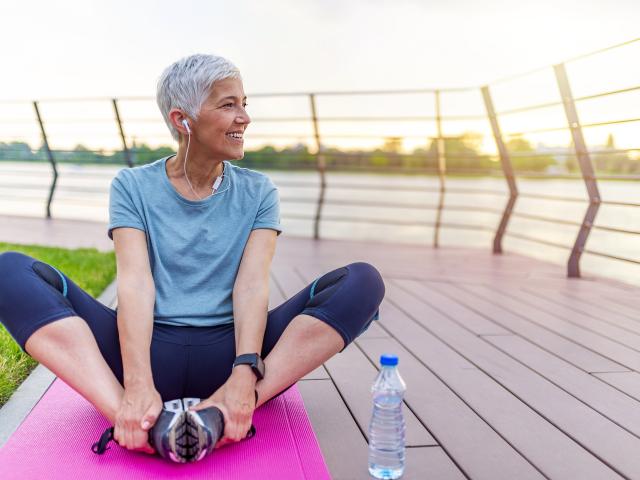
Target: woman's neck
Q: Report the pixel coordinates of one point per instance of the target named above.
(201, 170)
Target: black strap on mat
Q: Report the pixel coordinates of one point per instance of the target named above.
(101, 445)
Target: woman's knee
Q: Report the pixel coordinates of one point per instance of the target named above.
(14, 265)
(348, 299)
(11, 262)
(369, 278)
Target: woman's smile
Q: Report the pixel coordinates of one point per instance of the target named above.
(236, 137)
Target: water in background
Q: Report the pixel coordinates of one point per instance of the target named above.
(82, 193)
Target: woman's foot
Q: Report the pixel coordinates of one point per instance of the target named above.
(207, 426)
(168, 435)
(182, 435)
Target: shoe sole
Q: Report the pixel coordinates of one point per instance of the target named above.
(187, 436)
(200, 433)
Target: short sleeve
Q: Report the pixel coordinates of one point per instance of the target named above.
(268, 215)
(122, 209)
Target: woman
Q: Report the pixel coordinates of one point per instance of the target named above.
(194, 236)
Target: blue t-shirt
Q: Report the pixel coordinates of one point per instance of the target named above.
(195, 247)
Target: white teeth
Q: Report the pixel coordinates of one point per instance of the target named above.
(235, 135)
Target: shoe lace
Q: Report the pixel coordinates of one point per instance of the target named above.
(101, 445)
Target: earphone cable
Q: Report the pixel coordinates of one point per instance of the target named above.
(186, 156)
(216, 184)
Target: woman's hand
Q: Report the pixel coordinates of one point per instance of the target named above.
(139, 410)
(237, 401)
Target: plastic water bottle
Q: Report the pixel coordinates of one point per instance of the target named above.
(386, 430)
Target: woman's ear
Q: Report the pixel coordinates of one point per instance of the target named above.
(180, 121)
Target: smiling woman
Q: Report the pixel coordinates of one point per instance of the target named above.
(194, 237)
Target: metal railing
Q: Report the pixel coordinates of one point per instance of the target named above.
(437, 161)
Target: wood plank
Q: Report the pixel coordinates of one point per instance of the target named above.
(342, 444)
(593, 306)
(565, 347)
(589, 293)
(420, 261)
(109, 296)
(617, 328)
(430, 462)
(374, 331)
(353, 375)
(627, 304)
(471, 320)
(276, 297)
(275, 294)
(622, 354)
(289, 281)
(474, 444)
(627, 382)
(319, 373)
(595, 433)
(603, 398)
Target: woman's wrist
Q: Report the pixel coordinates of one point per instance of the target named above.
(138, 380)
(245, 373)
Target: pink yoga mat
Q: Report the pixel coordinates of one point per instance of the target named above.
(54, 442)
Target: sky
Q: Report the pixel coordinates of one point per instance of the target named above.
(118, 48)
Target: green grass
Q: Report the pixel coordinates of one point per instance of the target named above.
(88, 268)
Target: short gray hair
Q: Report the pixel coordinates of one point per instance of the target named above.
(186, 84)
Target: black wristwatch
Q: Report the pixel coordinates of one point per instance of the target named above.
(254, 361)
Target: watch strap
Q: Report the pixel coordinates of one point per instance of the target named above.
(253, 360)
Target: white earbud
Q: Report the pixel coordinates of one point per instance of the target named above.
(185, 122)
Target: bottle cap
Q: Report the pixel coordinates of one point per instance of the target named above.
(388, 359)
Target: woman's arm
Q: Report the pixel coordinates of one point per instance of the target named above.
(251, 291)
(136, 297)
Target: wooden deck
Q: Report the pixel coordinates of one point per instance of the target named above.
(513, 371)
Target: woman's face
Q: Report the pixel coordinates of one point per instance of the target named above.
(222, 121)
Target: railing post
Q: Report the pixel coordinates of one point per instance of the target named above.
(52, 161)
(584, 161)
(125, 148)
(507, 169)
(442, 171)
(321, 165)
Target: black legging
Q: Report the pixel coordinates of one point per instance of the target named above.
(185, 361)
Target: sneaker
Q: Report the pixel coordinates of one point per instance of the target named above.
(169, 434)
(206, 426)
(181, 435)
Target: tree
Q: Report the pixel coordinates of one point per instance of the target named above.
(16, 151)
(462, 152)
(519, 147)
(609, 160)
